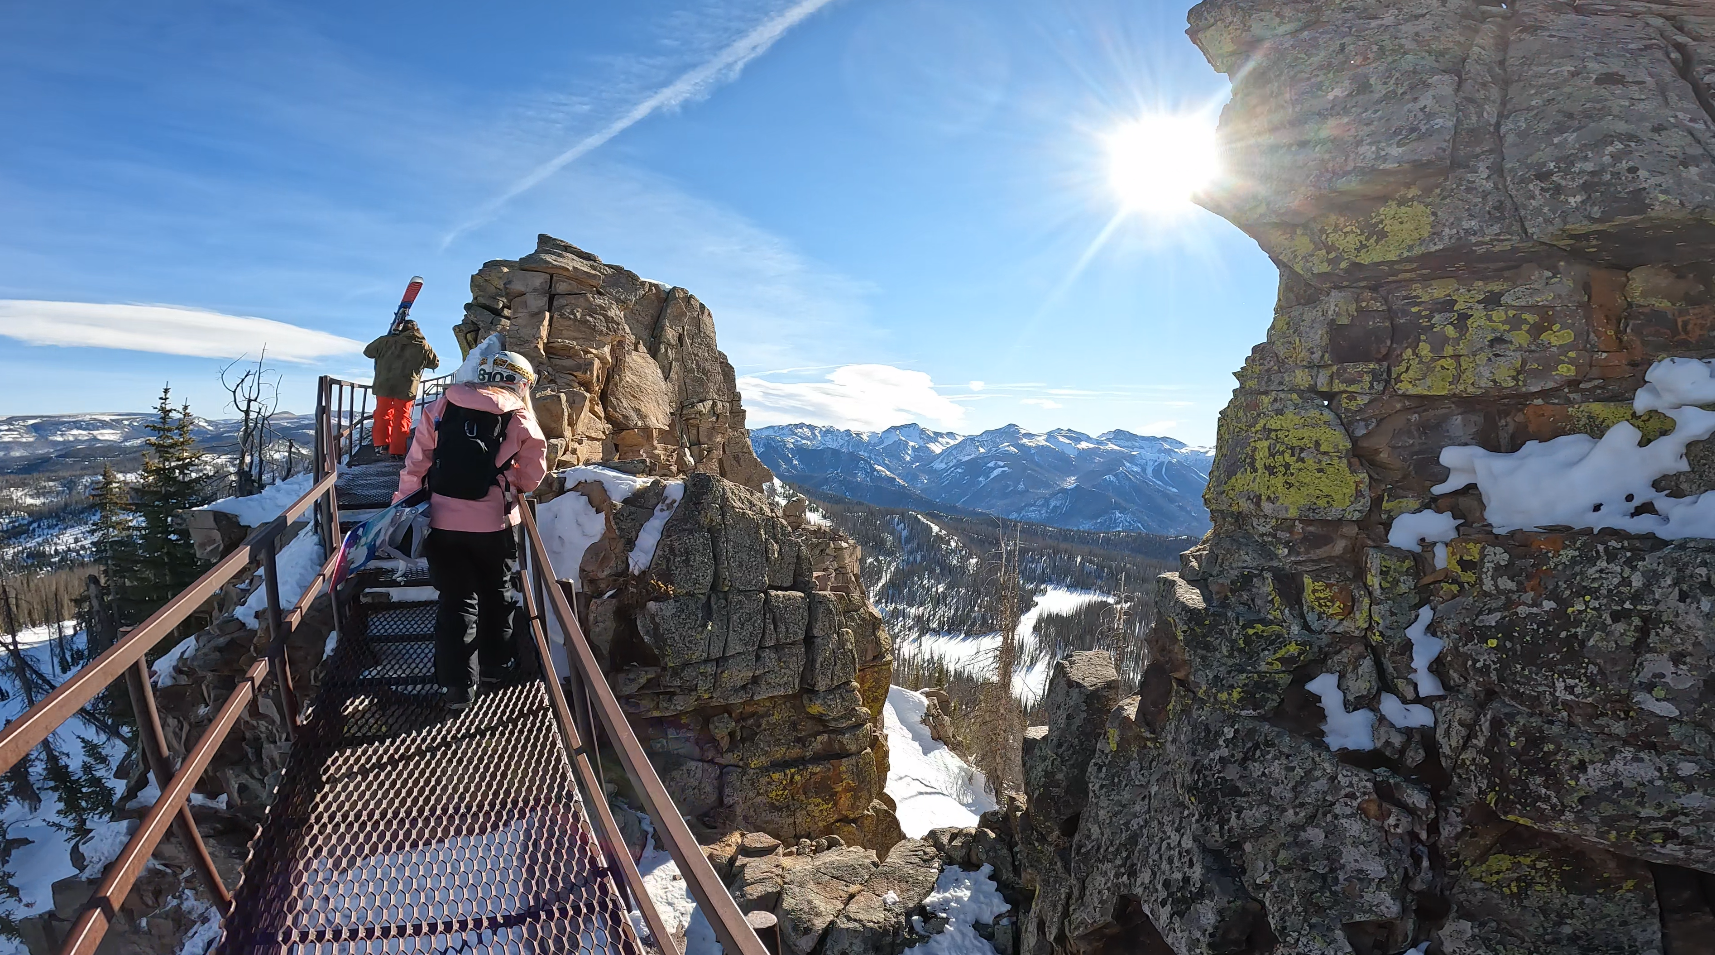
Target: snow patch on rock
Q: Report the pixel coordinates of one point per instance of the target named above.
(964, 899)
(1587, 483)
(1342, 730)
(1424, 650)
(1411, 531)
(271, 502)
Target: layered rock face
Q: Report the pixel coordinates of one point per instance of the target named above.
(748, 655)
(738, 636)
(1491, 223)
(628, 368)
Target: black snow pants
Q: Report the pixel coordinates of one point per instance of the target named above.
(473, 624)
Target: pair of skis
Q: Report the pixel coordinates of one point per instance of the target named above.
(404, 310)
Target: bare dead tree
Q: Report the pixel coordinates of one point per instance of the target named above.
(999, 724)
(255, 395)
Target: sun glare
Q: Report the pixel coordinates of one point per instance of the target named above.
(1157, 162)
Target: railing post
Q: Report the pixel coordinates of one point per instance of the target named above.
(152, 740)
(277, 638)
(360, 440)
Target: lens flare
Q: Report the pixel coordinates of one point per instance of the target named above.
(1156, 163)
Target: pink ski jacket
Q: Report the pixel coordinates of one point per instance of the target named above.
(524, 444)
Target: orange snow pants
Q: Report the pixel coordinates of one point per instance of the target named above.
(392, 424)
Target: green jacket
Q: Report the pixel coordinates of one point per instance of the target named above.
(399, 363)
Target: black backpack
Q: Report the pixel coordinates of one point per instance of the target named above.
(466, 443)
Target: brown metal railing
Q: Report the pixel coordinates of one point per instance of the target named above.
(594, 701)
(127, 659)
(342, 409)
(348, 405)
(433, 388)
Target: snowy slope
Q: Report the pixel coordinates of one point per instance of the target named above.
(932, 786)
(38, 836)
(1117, 481)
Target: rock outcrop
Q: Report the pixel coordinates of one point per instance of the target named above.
(833, 899)
(738, 635)
(628, 368)
(746, 651)
(1491, 222)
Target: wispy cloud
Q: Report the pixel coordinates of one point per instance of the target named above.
(861, 397)
(721, 68)
(165, 329)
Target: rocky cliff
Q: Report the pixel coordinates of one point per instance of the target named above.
(1428, 685)
(628, 368)
(738, 636)
(741, 641)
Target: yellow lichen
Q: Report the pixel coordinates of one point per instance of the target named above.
(1296, 465)
(1329, 600)
(1594, 418)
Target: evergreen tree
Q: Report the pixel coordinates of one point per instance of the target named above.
(174, 480)
(116, 541)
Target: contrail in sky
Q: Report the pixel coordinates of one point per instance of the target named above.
(730, 60)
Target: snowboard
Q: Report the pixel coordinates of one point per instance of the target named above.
(382, 535)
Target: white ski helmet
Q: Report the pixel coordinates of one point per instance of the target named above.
(507, 368)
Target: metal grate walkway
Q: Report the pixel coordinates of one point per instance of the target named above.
(402, 827)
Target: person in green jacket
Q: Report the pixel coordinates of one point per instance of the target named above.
(400, 358)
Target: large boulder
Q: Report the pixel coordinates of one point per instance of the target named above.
(1490, 221)
(628, 368)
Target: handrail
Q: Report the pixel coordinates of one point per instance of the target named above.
(127, 658)
(607, 830)
(735, 934)
(39, 722)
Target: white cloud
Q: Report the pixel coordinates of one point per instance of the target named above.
(978, 385)
(1042, 402)
(165, 329)
(860, 397)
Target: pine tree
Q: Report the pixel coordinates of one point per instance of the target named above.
(116, 540)
(174, 480)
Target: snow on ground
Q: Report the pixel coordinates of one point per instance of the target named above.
(296, 565)
(165, 667)
(666, 888)
(43, 835)
(964, 898)
(259, 509)
(933, 788)
(931, 784)
(569, 524)
(974, 654)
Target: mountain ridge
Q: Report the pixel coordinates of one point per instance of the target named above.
(1115, 481)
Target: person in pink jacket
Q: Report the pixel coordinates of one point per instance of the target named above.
(477, 447)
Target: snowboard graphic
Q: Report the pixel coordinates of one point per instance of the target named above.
(381, 534)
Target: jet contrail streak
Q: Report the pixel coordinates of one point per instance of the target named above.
(732, 58)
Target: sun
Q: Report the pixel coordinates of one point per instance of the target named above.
(1157, 162)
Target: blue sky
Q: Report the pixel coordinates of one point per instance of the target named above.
(895, 208)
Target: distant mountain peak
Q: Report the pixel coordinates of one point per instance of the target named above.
(1116, 481)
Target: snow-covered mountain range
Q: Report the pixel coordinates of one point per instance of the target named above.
(41, 443)
(1116, 481)
(50, 464)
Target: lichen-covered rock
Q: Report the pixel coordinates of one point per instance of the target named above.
(843, 900)
(1490, 221)
(628, 369)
